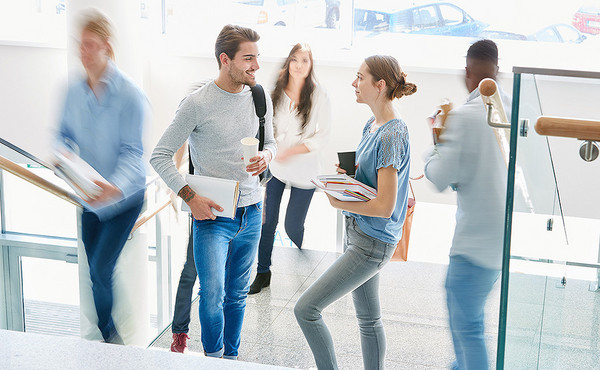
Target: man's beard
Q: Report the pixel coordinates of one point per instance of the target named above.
(240, 77)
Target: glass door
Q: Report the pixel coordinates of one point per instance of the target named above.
(50, 296)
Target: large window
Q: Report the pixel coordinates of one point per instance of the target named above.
(340, 28)
(428, 34)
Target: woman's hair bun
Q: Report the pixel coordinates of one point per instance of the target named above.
(404, 89)
(408, 88)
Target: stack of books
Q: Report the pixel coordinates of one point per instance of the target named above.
(344, 188)
(78, 174)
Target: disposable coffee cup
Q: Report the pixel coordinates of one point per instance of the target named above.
(250, 148)
(348, 162)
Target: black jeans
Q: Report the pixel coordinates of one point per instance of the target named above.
(295, 215)
(183, 299)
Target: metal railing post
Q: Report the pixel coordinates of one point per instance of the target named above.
(510, 195)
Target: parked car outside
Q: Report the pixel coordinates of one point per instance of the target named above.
(558, 33)
(501, 35)
(292, 13)
(587, 19)
(444, 19)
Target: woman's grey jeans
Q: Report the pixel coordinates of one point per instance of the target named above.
(356, 271)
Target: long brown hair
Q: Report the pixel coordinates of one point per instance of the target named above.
(386, 67)
(305, 103)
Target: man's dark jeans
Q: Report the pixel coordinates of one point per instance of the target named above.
(103, 242)
(183, 299)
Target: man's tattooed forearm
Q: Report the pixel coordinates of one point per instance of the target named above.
(186, 193)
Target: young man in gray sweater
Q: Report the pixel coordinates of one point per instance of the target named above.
(214, 119)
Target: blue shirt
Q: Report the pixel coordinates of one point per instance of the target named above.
(469, 160)
(387, 146)
(107, 132)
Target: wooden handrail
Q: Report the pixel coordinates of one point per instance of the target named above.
(146, 216)
(36, 180)
(568, 127)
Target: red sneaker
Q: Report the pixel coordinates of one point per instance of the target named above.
(179, 342)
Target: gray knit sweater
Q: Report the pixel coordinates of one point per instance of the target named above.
(215, 121)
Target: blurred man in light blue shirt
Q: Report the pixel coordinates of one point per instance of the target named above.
(104, 125)
(102, 121)
(469, 160)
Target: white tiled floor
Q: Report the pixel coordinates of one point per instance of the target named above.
(558, 324)
(413, 311)
(559, 327)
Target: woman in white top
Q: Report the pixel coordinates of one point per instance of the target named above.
(302, 121)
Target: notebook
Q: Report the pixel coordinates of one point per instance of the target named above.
(345, 188)
(225, 193)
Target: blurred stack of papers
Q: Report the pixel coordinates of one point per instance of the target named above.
(78, 174)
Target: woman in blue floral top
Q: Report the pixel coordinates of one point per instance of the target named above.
(373, 228)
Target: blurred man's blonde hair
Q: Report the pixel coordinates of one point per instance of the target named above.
(99, 24)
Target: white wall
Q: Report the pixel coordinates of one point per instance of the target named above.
(171, 77)
(33, 81)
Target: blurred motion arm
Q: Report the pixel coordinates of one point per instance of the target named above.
(442, 164)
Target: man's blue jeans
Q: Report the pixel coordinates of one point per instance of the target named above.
(467, 288)
(224, 251)
(103, 242)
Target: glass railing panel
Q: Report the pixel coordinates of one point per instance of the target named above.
(555, 234)
(533, 160)
(157, 253)
(570, 328)
(551, 326)
(525, 309)
(51, 306)
(22, 201)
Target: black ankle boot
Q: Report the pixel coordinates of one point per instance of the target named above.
(262, 280)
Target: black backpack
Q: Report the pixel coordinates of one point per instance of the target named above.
(260, 106)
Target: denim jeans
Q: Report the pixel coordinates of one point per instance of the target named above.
(356, 271)
(224, 251)
(103, 242)
(295, 215)
(467, 288)
(183, 299)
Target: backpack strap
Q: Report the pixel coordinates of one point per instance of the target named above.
(190, 164)
(260, 106)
